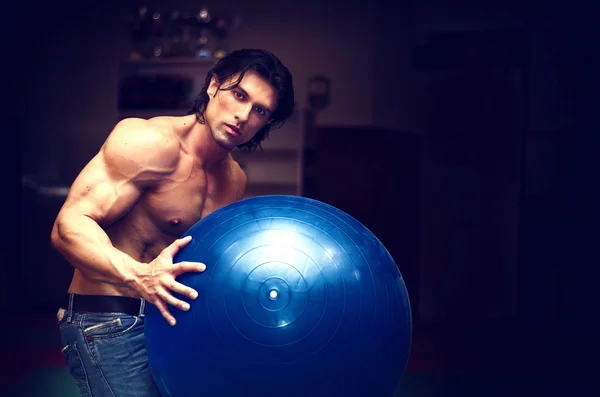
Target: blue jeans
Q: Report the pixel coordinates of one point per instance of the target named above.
(106, 354)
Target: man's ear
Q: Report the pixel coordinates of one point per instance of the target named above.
(212, 87)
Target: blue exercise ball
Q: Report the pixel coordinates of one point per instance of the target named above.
(298, 299)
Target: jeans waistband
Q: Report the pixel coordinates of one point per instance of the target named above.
(104, 304)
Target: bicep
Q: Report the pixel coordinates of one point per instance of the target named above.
(136, 155)
(100, 194)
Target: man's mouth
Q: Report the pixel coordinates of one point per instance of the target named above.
(233, 130)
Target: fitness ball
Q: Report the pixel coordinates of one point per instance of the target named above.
(298, 299)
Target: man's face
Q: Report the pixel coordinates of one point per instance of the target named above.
(236, 115)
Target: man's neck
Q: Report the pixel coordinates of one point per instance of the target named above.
(205, 147)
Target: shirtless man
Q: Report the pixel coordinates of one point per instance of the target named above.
(121, 223)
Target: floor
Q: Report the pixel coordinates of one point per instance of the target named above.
(445, 361)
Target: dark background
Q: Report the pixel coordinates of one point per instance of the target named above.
(464, 134)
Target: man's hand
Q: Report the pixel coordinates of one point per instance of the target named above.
(156, 281)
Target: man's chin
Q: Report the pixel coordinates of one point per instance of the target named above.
(227, 144)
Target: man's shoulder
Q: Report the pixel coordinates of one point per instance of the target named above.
(236, 175)
(143, 142)
(143, 130)
(235, 170)
(237, 179)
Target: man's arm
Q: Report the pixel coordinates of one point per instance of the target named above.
(135, 157)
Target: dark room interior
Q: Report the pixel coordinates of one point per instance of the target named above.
(464, 135)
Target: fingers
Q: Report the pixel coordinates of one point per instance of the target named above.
(167, 275)
(171, 300)
(185, 267)
(162, 299)
(178, 244)
(182, 289)
(162, 308)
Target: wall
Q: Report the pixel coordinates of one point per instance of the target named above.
(71, 57)
(471, 207)
(67, 58)
(66, 88)
(70, 71)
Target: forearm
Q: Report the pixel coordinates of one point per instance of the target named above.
(87, 247)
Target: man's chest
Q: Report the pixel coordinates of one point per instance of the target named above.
(178, 205)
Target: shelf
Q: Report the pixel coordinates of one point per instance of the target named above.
(169, 61)
(196, 68)
(149, 113)
(168, 82)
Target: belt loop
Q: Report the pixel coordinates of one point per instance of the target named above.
(70, 308)
(142, 307)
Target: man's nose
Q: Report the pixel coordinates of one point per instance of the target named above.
(243, 113)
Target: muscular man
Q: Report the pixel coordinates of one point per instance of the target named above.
(122, 219)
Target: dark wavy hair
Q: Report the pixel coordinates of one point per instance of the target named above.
(270, 68)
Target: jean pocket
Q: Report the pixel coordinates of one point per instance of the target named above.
(109, 327)
(75, 367)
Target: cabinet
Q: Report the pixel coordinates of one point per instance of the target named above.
(166, 88)
(159, 87)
